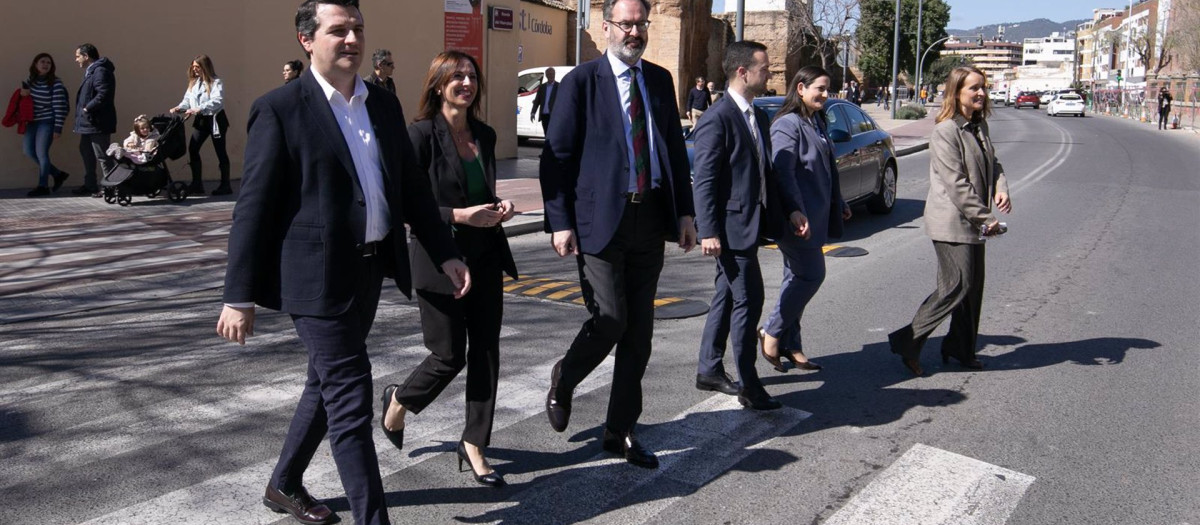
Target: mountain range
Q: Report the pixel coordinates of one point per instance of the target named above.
(1019, 31)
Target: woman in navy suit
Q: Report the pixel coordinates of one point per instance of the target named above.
(806, 168)
(457, 150)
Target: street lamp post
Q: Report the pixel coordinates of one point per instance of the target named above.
(921, 62)
(917, 49)
(895, 57)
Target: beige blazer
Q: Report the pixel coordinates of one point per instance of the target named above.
(963, 181)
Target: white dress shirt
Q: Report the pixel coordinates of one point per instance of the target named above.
(747, 110)
(621, 72)
(355, 123)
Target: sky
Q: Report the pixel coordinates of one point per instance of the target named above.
(969, 14)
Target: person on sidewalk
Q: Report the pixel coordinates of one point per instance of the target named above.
(732, 183)
(699, 99)
(330, 180)
(457, 151)
(382, 67)
(543, 100)
(292, 70)
(615, 181)
(50, 106)
(1164, 107)
(204, 102)
(95, 114)
(811, 196)
(965, 181)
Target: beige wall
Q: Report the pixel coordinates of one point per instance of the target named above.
(539, 49)
(151, 43)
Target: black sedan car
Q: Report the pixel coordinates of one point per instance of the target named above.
(866, 158)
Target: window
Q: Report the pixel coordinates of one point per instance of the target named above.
(857, 122)
(529, 82)
(836, 119)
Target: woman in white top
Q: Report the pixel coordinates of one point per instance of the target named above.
(203, 100)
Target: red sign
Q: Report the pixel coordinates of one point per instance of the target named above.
(502, 18)
(464, 27)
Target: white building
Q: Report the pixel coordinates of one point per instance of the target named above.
(1049, 51)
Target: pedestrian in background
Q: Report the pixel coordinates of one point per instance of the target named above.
(457, 151)
(713, 95)
(616, 185)
(382, 67)
(732, 184)
(965, 181)
(50, 106)
(95, 114)
(292, 70)
(811, 196)
(543, 101)
(699, 99)
(204, 102)
(1164, 107)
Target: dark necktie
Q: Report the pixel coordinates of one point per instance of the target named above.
(641, 141)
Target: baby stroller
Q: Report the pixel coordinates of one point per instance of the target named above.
(123, 178)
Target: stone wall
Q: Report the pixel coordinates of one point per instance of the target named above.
(774, 30)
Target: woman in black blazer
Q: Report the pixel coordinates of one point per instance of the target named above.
(458, 152)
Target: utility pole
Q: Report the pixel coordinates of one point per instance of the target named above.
(740, 24)
(917, 50)
(895, 58)
(582, 18)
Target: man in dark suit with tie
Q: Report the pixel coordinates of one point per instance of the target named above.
(614, 178)
(329, 181)
(732, 181)
(543, 101)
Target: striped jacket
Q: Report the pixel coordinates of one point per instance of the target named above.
(50, 102)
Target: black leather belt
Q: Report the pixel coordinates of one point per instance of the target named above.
(633, 197)
(369, 249)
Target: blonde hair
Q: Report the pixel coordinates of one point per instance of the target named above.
(954, 85)
(207, 73)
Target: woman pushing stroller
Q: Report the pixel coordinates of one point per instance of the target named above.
(203, 100)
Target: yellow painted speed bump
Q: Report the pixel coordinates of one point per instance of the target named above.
(572, 292)
(832, 250)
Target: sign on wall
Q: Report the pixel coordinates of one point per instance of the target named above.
(502, 18)
(464, 27)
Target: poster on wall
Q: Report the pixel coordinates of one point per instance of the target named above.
(464, 27)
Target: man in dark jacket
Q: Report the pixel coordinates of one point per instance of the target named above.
(96, 114)
(698, 101)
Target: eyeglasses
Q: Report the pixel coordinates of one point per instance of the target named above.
(388, 63)
(627, 27)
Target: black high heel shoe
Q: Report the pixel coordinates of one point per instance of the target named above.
(973, 363)
(775, 362)
(395, 436)
(491, 479)
(801, 365)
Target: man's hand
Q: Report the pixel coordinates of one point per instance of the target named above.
(507, 210)
(235, 324)
(1003, 203)
(710, 246)
(564, 243)
(687, 233)
(800, 225)
(459, 276)
(481, 216)
(846, 213)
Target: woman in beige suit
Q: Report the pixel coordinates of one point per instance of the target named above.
(965, 180)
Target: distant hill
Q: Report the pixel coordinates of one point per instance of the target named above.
(1019, 31)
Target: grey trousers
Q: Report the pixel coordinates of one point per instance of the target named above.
(959, 295)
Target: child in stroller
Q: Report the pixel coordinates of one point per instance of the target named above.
(140, 167)
(140, 144)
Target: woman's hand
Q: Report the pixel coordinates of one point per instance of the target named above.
(1003, 203)
(24, 91)
(508, 210)
(846, 213)
(176, 110)
(482, 216)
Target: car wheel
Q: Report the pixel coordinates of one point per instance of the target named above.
(883, 201)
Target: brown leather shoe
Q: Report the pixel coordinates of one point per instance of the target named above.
(300, 505)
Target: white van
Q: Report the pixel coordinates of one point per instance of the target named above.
(528, 83)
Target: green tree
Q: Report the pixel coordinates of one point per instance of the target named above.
(875, 30)
(937, 72)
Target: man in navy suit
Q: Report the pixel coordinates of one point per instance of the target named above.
(614, 178)
(329, 181)
(732, 174)
(543, 101)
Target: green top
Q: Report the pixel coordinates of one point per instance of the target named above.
(477, 190)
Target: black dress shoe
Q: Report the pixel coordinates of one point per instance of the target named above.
(759, 401)
(719, 383)
(196, 188)
(38, 192)
(558, 411)
(59, 179)
(972, 363)
(223, 189)
(626, 445)
(300, 505)
(491, 479)
(913, 365)
(395, 436)
(84, 190)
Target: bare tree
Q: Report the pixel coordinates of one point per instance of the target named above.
(1143, 43)
(821, 26)
(1185, 32)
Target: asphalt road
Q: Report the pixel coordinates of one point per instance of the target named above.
(1086, 413)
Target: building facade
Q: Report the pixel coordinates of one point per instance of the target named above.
(995, 58)
(1049, 51)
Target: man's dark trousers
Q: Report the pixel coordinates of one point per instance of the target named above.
(736, 308)
(337, 400)
(92, 148)
(619, 284)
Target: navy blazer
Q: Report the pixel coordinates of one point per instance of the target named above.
(726, 177)
(539, 99)
(437, 155)
(584, 170)
(97, 94)
(806, 168)
(300, 216)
